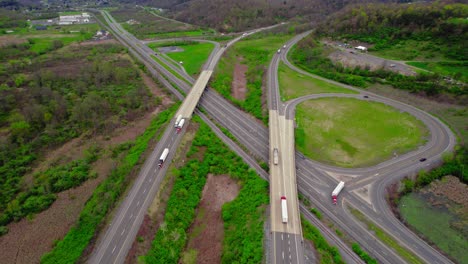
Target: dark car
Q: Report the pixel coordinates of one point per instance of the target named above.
(422, 159)
(366, 96)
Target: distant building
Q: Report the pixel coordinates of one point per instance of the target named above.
(74, 19)
(361, 48)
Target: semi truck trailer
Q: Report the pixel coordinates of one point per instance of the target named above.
(163, 157)
(178, 120)
(275, 156)
(337, 191)
(180, 125)
(284, 209)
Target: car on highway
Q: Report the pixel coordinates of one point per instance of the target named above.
(422, 159)
(279, 51)
(366, 96)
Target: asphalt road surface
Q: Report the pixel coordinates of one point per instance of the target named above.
(315, 180)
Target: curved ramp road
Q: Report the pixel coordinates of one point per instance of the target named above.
(315, 180)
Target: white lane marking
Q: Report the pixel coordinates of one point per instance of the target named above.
(283, 254)
(281, 236)
(138, 203)
(114, 249)
(144, 190)
(131, 216)
(123, 231)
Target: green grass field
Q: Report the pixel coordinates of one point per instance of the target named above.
(415, 210)
(255, 52)
(411, 50)
(354, 133)
(294, 85)
(458, 70)
(193, 56)
(42, 39)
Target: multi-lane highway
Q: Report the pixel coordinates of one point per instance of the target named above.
(316, 180)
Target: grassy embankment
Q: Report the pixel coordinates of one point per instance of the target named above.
(294, 85)
(70, 248)
(327, 253)
(255, 52)
(146, 25)
(357, 133)
(193, 56)
(243, 217)
(386, 238)
(416, 210)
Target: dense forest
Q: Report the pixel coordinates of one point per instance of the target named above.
(228, 15)
(386, 25)
(46, 100)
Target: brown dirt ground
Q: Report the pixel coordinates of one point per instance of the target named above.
(208, 242)
(452, 188)
(27, 240)
(239, 81)
(9, 40)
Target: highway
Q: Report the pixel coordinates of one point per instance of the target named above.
(114, 245)
(316, 180)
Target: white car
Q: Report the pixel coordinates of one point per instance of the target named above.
(279, 51)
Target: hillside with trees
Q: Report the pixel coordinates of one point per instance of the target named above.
(231, 16)
(384, 26)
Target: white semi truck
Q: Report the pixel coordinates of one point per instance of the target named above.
(275, 156)
(337, 191)
(284, 209)
(163, 157)
(178, 120)
(180, 125)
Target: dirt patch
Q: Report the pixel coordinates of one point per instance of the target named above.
(10, 40)
(451, 188)
(156, 90)
(239, 81)
(351, 58)
(207, 231)
(28, 240)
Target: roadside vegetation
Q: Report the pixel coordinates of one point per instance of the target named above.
(294, 84)
(243, 217)
(193, 56)
(255, 52)
(437, 195)
(357, 133)
(46, 100)
(327, 253)
(386, 238)
(143, 24)
(343, 236)
(104, 198)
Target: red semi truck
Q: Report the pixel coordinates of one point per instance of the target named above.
(337, 191)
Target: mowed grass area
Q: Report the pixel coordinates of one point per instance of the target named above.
(42, 40)
(294, 84)
(255, 52)
(349, 132)
(193, 56)
(415, 210)
(456, 69)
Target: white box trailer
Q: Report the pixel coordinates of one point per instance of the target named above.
(275, 156)
(163, 157)
(337, 191)
(180, 125)
(284, 209)
(177, 121)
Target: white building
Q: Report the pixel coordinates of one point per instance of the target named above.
(74, 19)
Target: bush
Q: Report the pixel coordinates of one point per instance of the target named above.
(328, 254)
(362, 254)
